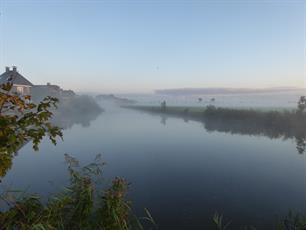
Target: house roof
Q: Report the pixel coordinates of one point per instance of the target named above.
(14, 77)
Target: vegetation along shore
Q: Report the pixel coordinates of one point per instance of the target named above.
(270, 123)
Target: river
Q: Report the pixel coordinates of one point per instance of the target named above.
(178, 170)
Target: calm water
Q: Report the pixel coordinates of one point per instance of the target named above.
(179, 171)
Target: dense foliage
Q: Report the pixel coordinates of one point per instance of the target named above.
(22, 121)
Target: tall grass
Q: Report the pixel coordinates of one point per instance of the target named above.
(79, 206)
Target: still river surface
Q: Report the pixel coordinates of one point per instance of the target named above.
(178, 170)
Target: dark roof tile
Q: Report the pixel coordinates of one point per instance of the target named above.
(16, 78)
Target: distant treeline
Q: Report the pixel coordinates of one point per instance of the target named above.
(76, 110)
(72, 108)
(274, 124)
(114, 99)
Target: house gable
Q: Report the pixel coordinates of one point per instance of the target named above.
(14, 77)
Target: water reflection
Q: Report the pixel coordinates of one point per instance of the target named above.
(300, 144)
(244, 127)
(65, 122)
(163, 119)
(178, 166)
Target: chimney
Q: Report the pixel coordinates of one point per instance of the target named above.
(7, 69)
(14, 69)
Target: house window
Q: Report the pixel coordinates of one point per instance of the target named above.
(20, 89)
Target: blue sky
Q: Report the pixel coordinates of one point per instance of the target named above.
(138, 46)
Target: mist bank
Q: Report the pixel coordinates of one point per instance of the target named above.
(221, 91)
(79, 109)
(72, 108)
(111, 98)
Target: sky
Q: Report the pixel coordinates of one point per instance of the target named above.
(121, 46)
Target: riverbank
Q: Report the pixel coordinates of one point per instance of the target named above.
(194, 113)
(138, 146)
(271, 123)
(201, 113)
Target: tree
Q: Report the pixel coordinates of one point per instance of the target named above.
(302, 104)
(22, 121)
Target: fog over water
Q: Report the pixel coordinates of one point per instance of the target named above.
(200, 105)
(178, 169)
(263, 100)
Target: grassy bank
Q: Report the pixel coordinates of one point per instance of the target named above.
(268, 117)
(271, 123)
(194, 113)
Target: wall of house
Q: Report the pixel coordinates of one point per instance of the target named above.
(21, 89)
